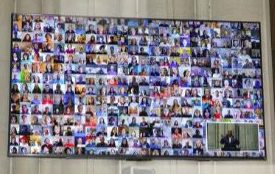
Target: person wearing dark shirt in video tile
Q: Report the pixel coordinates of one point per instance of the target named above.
(230, 142)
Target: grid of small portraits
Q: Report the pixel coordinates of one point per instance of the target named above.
(145, 87)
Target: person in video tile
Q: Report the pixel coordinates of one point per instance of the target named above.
(230, 142)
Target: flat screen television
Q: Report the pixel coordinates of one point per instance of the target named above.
(129, 88)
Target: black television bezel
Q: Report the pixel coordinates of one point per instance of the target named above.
(138, 157)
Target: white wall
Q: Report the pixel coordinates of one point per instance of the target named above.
(255, 10)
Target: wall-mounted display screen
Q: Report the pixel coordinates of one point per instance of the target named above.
(147, 88)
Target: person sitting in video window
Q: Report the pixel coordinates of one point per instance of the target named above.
(198, 149)
(90, 142)
(177, 144)
(36, 110)
(206, 113)
(165, 114)
(228, 115)
(70, 35)
(14, 89)
(197, 114)
(226, 103)
(174, 52)
(197, 134)
(133, 122)
(154, 145)
(143, 123)
(13, 119)
(177, 133)
(112, 113)
(247, 64)
(112, 143)
(144, 143)
(69, 143)
(142, 52)
(69, 69)
(13, 141)
(69, 95)
(114, 132)
(36, 89)
(153, 113)
(80, 110)
(144, 102)
(143, 112)
(102, 50)
(112, 40)
(13, 131)
(47, 89)
(133, 85)
(37, 38)
(184, 103)
(230, 142)
(122, 101)
(69, 111)
(68, 132)
(112, 70)
(58, 89)
(58, 143)
(187, 145)
(47, 99)
(15, 79)
(217, 114)
(101, 126)
(80, 80)
(91, 29)
(24, 109)
(101, 142)
(15, 98)
(47, 147)
(185, 112)
(111, 121)
(124, 143)
(15, 109)
(143, 82)
(47, 111)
